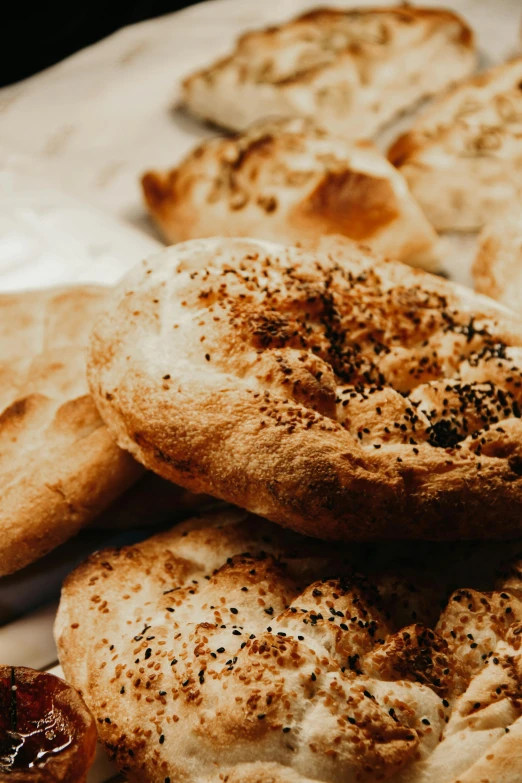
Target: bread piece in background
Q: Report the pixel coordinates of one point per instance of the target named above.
(462, 158)
(59, 464)
(60, 468)
(330, 391)
(352, 70)
(286, 181)
(497, 269)
(231, 649)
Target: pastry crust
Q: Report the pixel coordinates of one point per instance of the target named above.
(231, 650)
(288, 180)
(330, 391)
(352, 70)
(463, 157)
(59, 465)
(497, 269)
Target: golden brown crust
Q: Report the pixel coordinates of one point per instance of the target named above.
(59, 465)
(47, 734)
(285, 181)
(328, 64)
(232, 650)
(463, 156)
(342, 395)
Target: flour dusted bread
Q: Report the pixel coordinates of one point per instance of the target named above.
(352, 70)
(342, 395)
(231, 650)
(497, 269)
(288, 180)
(463, 156)
(59, 465)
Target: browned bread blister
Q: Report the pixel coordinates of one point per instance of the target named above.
(353, 70)
(59, 465)
(331, 391)
(230, 649)
(287, 180)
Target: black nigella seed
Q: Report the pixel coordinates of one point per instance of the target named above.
(148, 653)
(162, 739)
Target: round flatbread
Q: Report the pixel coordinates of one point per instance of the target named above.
(231, 650)
(342, 395)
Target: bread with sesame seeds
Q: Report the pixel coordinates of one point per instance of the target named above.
(352, 69)
(288, 180)
(331, 391)
(462, 158)
(230, 649)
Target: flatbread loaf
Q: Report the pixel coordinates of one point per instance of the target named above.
(331, 391)
(463, 157)
(59, 465)
(497, 269)
(288, 180)
(352, 70)
(231, 650)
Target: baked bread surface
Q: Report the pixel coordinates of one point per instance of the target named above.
(286, 181)
(352, 70)
(331, 391)
(463, 157)
(59, 465)
(497, 268)
(230, 649)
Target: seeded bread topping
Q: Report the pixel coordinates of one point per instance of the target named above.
(231, 650)
(330, 391)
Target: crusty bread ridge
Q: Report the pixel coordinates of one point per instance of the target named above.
(232, 650)
(288, 180)
(333, 392)
(463, 157)
(59, 465)
(353, 70)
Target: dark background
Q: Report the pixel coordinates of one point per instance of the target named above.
(34, 36)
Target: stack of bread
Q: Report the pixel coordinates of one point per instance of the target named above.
(352, 610)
